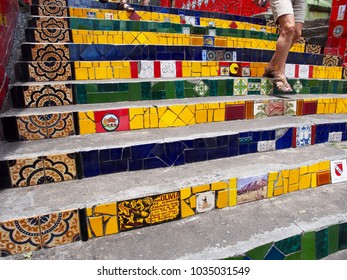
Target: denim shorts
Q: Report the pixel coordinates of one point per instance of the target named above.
(289, 7)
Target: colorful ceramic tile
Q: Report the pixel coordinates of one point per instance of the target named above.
(32, 127)
(338, 169)
(289, 245)
(290, 70)
(211, 56)
(205, 201)
(201, 88)
(303, 136)
(149, 210)
(308, 246)
(208, 41)
(322, 243)
(342, 245)
(146, 69)
(56, 10)
(259, 253)
(323, 178)
(240, 86)
(316, 49)
(251, 188)
(274, 254)
(26, 172)
(310, 107)
(266, 87)
(112, 120)
(220, 55)
(102, 220)
(186, 30)
(224, 71)
(60, 228)
(59, 168)
(52, 30)
(303, 71)
(331, 60)
(50, 52)
(168, 69)
(289, 107)
(18, 236)
(60, 125)
(265, 146)
(230, 56)
(235, 112)
(297, 87)
(335, 137)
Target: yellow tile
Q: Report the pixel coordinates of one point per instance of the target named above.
(216, 186)
(81, 74)
(313, 180)
(86, 64)
(270, 189)
(279, 182)
(178, 122)
(137, 122)
(185, 193)
(205, 71)
(196, 66)
(109, 71)
(273, 176)
(108, 209)
(303, 170)
(278, 191)
(168, 117)
(87, 125)
(313, 168)
(201, 116)
(100, 73)
(95, 226)
(91, 73)
(186, 211)
(125, 73)
(285, 185)
(320, 108)
(293, 176)
(219, 115)
(332, 108)
(232, 197)
(104, 63)
(324, 165)
(154, 120)
(285, 173)
(293, 188)
(222, 199)
(305, 181)
(192, 201)
(201, 188)
(112, 225)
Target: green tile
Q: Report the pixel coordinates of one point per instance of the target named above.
(305, 90)
(229, 87)
(188, 93)
(179, 89)
(81, 94)
(221, 87)
(333, 239)
(119, 96)
(322, 243)
(146, 91)
(123, 87)
(308, 246)
(170, 90)
(289, 245)
(91, 87)
(134, 91)
(238, 258)
(343, 236)
(98, 98)
(259, 253)
(213, 85)
(315, 90)
(294, 256)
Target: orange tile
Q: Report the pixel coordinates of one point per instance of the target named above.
(323, 178)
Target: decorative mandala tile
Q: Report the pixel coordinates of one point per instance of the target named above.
(40, 71)
(52, 10)
(205, 201)
(52, 35)
(290, 70)
(60, 125)
(314, 49)
(251, 188)
(48, 95)
(230, 56)
(146, 69)
(246, 71)
(32, 127)
(60, 228)
(19, 236)
(224, 71)
(53, 3)
(186, 30)
(304, 71)
(58, 168)
(297, 86)
(303, 135)
(240, 86)
(266, 87)
(52, 23)
(201, 88)
(338, 31)
(331, 60)
(148, 211)
(49, 52)
(102, 220)
(168, 69)
(220, 55)
(335, 137)
(264, 146)
(26, 172)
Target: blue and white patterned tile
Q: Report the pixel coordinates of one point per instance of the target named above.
(265, 146)
(303, 135)
(335, 137)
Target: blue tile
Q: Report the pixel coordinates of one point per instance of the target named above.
(211, 142)
(180, 160)
(150, 163)
(104, 155)
(195, 155)
(274, 254)
(243, 149)
(285, 141)
(222, 140)
(141, 151)
(253, 148)
(215, 153)
(256, 136)
(90, 161)
(174, 150)
(135, 164)
(126, 153)
(199, 143)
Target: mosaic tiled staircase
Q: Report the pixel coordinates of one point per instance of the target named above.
(102, 91)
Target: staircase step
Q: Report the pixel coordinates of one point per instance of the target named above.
(285, 216)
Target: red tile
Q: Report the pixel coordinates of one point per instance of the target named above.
(309, 108)
(112, 120)
(134, 68)
(294, 138)
(235, 112)
(313, 134)
(178, 68)
(157, 72)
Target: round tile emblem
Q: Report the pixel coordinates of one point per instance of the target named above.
(338, 30)
(110, 122)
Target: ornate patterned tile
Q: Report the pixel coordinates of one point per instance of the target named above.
(290, 107)
(220, 55)
(201, 88)
(303, 135)
(266, 87)
(224, 71)
(211, 56)
(230, 56)
(205, 201)
(251, 188)
(269, 108)
(335, 137)
(240, 86)
(186, 30)
(32, 127)
(53, 9)
(60, 125)
(264, 146)
(168, 69)
(146, 69)
(297, 87)
(60, 228)
(148, 210)
(316, 49)
(331, 60)
(26, 172)
(18, 236)
(50, 52)
(59, 168)
(52, 30)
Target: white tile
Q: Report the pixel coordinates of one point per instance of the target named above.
(205, 201)
(290, 70)
(264, 146)
(304, 71)
(335, 136)
(338, 170)
(168, 69)
(146, 69)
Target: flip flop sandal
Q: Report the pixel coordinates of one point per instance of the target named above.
(127, 7)
(269, 74)
(282, 85)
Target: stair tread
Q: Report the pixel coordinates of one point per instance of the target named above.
(29, 149)
(216, 234)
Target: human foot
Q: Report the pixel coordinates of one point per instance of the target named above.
(282, 84)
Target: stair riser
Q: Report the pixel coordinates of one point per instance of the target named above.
(64, 167)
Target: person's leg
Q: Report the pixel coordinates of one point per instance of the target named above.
(298, 32)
